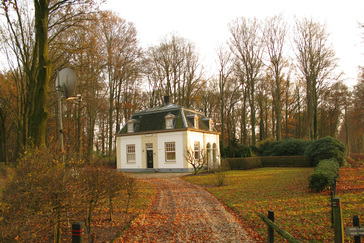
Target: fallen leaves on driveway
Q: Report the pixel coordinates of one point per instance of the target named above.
(183, 212)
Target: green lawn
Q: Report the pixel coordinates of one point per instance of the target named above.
(302, 213)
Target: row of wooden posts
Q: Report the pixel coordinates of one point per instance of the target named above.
(356, 231)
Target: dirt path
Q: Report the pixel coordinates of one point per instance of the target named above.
(183, 212)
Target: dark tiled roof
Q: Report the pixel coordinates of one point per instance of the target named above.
(154, 119)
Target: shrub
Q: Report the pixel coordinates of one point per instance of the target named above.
(235, 150)
(325, 173)
(326, 148)
(290, 147)
(285, 161)
(220, 176)
(36, 198)
(266, 147)
(244, 151)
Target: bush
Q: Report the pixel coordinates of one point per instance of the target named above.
(235, 150)
(290, 147)
(285, 161)
(323, 176)
(266, 147)
(220, 176)
(326, 148)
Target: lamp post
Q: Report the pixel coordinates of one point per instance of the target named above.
(65, 86)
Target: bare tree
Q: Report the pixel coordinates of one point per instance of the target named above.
(120, 42)
(225, 71)
(197, 161)
(275, 32)
(247, 45)
(316, 62)
(174, 70)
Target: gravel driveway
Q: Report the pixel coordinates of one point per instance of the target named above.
(183, 212)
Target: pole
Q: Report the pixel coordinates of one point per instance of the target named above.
(270, 229)
(338, 220)
(77, 232)
(60, 114)
(356, 222)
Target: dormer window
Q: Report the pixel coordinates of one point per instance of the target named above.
(211, 125)
(170, 121)
(131, 125)
(195, 119)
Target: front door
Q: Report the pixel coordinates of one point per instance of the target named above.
(150, 158)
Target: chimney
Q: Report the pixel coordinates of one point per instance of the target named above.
(166, 100)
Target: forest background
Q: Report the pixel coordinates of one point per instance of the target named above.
(273, 81)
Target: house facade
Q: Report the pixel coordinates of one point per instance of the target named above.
(160, 138)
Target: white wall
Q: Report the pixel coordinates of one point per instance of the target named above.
(204, 139)
(176, 137)
(121, 147)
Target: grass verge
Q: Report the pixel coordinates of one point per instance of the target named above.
(302, 213)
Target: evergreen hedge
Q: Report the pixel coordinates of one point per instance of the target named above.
(326, 148)
(325, 173)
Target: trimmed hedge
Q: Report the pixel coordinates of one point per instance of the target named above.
(325, 173)
(242, 163)
(286, 161)
(271, 161)
(287, 147)
(326, 148)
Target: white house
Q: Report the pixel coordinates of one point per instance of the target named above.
(157, 139)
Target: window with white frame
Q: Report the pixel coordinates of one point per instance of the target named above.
(197, 150)
(169, 121)
(170, 148)
(130, 153)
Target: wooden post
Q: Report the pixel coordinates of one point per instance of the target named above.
(270, 229)
(77, 232)
(338, 220)
(356, 222)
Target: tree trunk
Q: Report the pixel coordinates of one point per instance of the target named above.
(39, 114)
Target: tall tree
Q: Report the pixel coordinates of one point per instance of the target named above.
(174, 69)
(247, 45)
(316, 62)
(275, 32)
(122, 54)
(225, 71)
(50, 19)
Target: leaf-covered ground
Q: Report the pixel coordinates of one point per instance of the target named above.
(182, 212)
(304, 214)
(105, 230)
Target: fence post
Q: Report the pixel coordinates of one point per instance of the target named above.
(77, 232)
(270, 229)
(356, 222)
(332, 195)
(338, 220)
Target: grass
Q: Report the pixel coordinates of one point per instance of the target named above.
(302, 213)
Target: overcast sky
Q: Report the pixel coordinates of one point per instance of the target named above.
(205, 23)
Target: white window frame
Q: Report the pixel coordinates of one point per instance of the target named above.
(170, 148)
(130, 153)
(169, 121)
(130, 126)
(196, 150)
